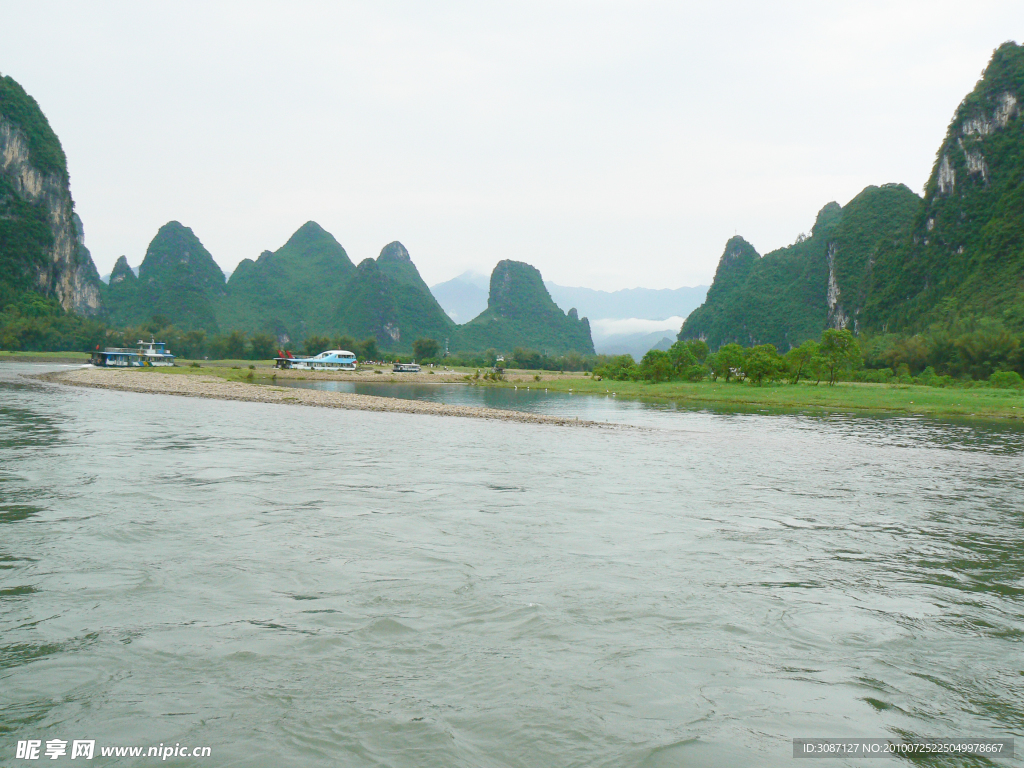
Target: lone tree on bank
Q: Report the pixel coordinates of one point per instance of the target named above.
(838, 352)
(727, 361)
(800, 359)
(425, 348)
(763, 362)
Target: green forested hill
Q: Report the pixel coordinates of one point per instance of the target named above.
(388, 300)
(178, 280)
(291, 292)
(417, 313)
(122, 296)
(965, 255)
(820, 281)
(520, 313)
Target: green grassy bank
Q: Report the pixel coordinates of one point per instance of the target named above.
(844, 396)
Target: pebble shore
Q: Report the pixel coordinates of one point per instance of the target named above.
(216, 388)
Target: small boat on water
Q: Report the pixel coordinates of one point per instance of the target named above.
(331, 360)
(405, 368)
(146, 354)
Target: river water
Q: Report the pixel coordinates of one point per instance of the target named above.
(300, 586)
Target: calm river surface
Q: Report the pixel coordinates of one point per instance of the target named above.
(300, 586)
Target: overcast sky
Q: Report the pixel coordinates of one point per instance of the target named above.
(611, 145)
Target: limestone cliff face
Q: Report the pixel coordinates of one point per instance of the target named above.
(67, 272)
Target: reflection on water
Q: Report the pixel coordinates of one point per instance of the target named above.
(525, 398)
(303, 586)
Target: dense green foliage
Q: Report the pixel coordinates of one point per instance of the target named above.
(425, 349)
(783, 298)
(520, 313)
(985, 353)
(37, 323)
(973, 349)
(965, 256)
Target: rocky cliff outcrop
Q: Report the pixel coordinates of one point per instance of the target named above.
(42, 239)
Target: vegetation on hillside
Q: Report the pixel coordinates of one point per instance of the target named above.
(387, 299)
(291, 292)
(178, 279)
(792, 294)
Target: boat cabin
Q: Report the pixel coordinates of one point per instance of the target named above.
(155, 353)
(330, 360)
(116, 357)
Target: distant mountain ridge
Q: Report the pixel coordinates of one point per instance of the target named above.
(465, 296)
(309, 287)
(643, 303)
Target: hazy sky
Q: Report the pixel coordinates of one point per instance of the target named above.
(611, 145)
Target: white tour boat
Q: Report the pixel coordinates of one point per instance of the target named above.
(331, 360)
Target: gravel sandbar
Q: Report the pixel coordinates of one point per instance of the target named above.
(216, 388)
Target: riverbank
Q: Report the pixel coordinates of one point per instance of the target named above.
(156, 381)
(983, 402)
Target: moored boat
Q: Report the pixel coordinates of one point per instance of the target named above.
(330, 360)
(155, 353)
